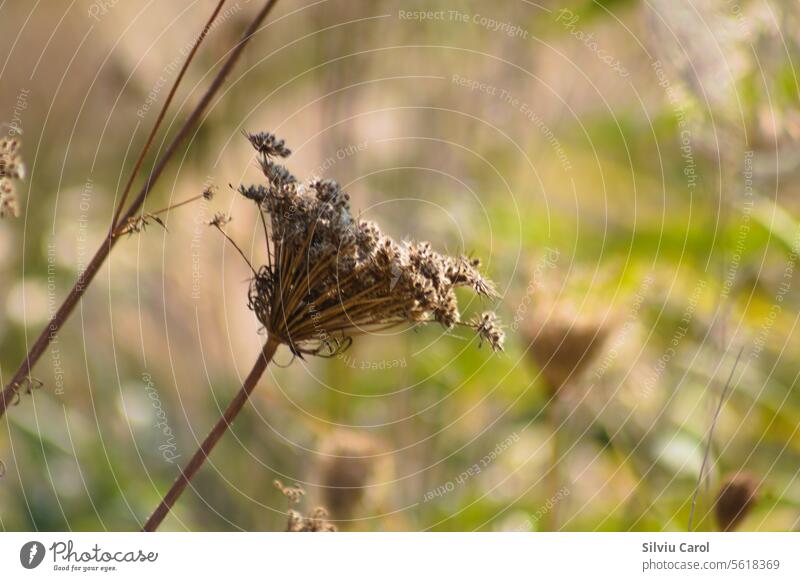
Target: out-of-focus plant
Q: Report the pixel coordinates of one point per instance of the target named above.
(736, 497)
(329, 277)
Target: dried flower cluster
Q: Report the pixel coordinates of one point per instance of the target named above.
(330, 276)
(736, 496)
(11, 168)
(294, 494)
(315, 522)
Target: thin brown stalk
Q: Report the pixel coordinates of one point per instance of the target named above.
(176, 205)
(131, 224)
(213, 436)
(201, 107)
(161, 114)
(237, 247)
(709, 439)
(87, 276)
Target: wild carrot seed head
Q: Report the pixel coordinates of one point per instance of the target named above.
(330, 276)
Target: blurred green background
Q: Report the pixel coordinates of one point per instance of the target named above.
(627, 171)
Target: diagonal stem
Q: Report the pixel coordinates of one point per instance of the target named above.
(709, 439)
(87, 276)
(213, 437)
(161, 115)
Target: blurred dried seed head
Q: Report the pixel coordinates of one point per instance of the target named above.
(346, 468)
(315, 522)
(330, 276)
(736, 497)
(11, 169)
(564, 343)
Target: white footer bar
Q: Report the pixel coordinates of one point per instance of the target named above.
(406, 556)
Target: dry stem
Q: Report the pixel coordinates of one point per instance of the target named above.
(722, 397)
(87, 276)
(213, 437)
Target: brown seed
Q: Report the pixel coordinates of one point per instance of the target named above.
(736, 497)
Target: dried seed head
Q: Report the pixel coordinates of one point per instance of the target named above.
(294, 521)
(564, 344)
(736, 496)
(209, 192)
(276, 174)
(315, 522)
(294, 494)
(256, 193)
(330, 276)
(11, 169)
(219, 220)
(488, 328)
(268, 145)
(345, 470)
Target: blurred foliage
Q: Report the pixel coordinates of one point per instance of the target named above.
(679, 276)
